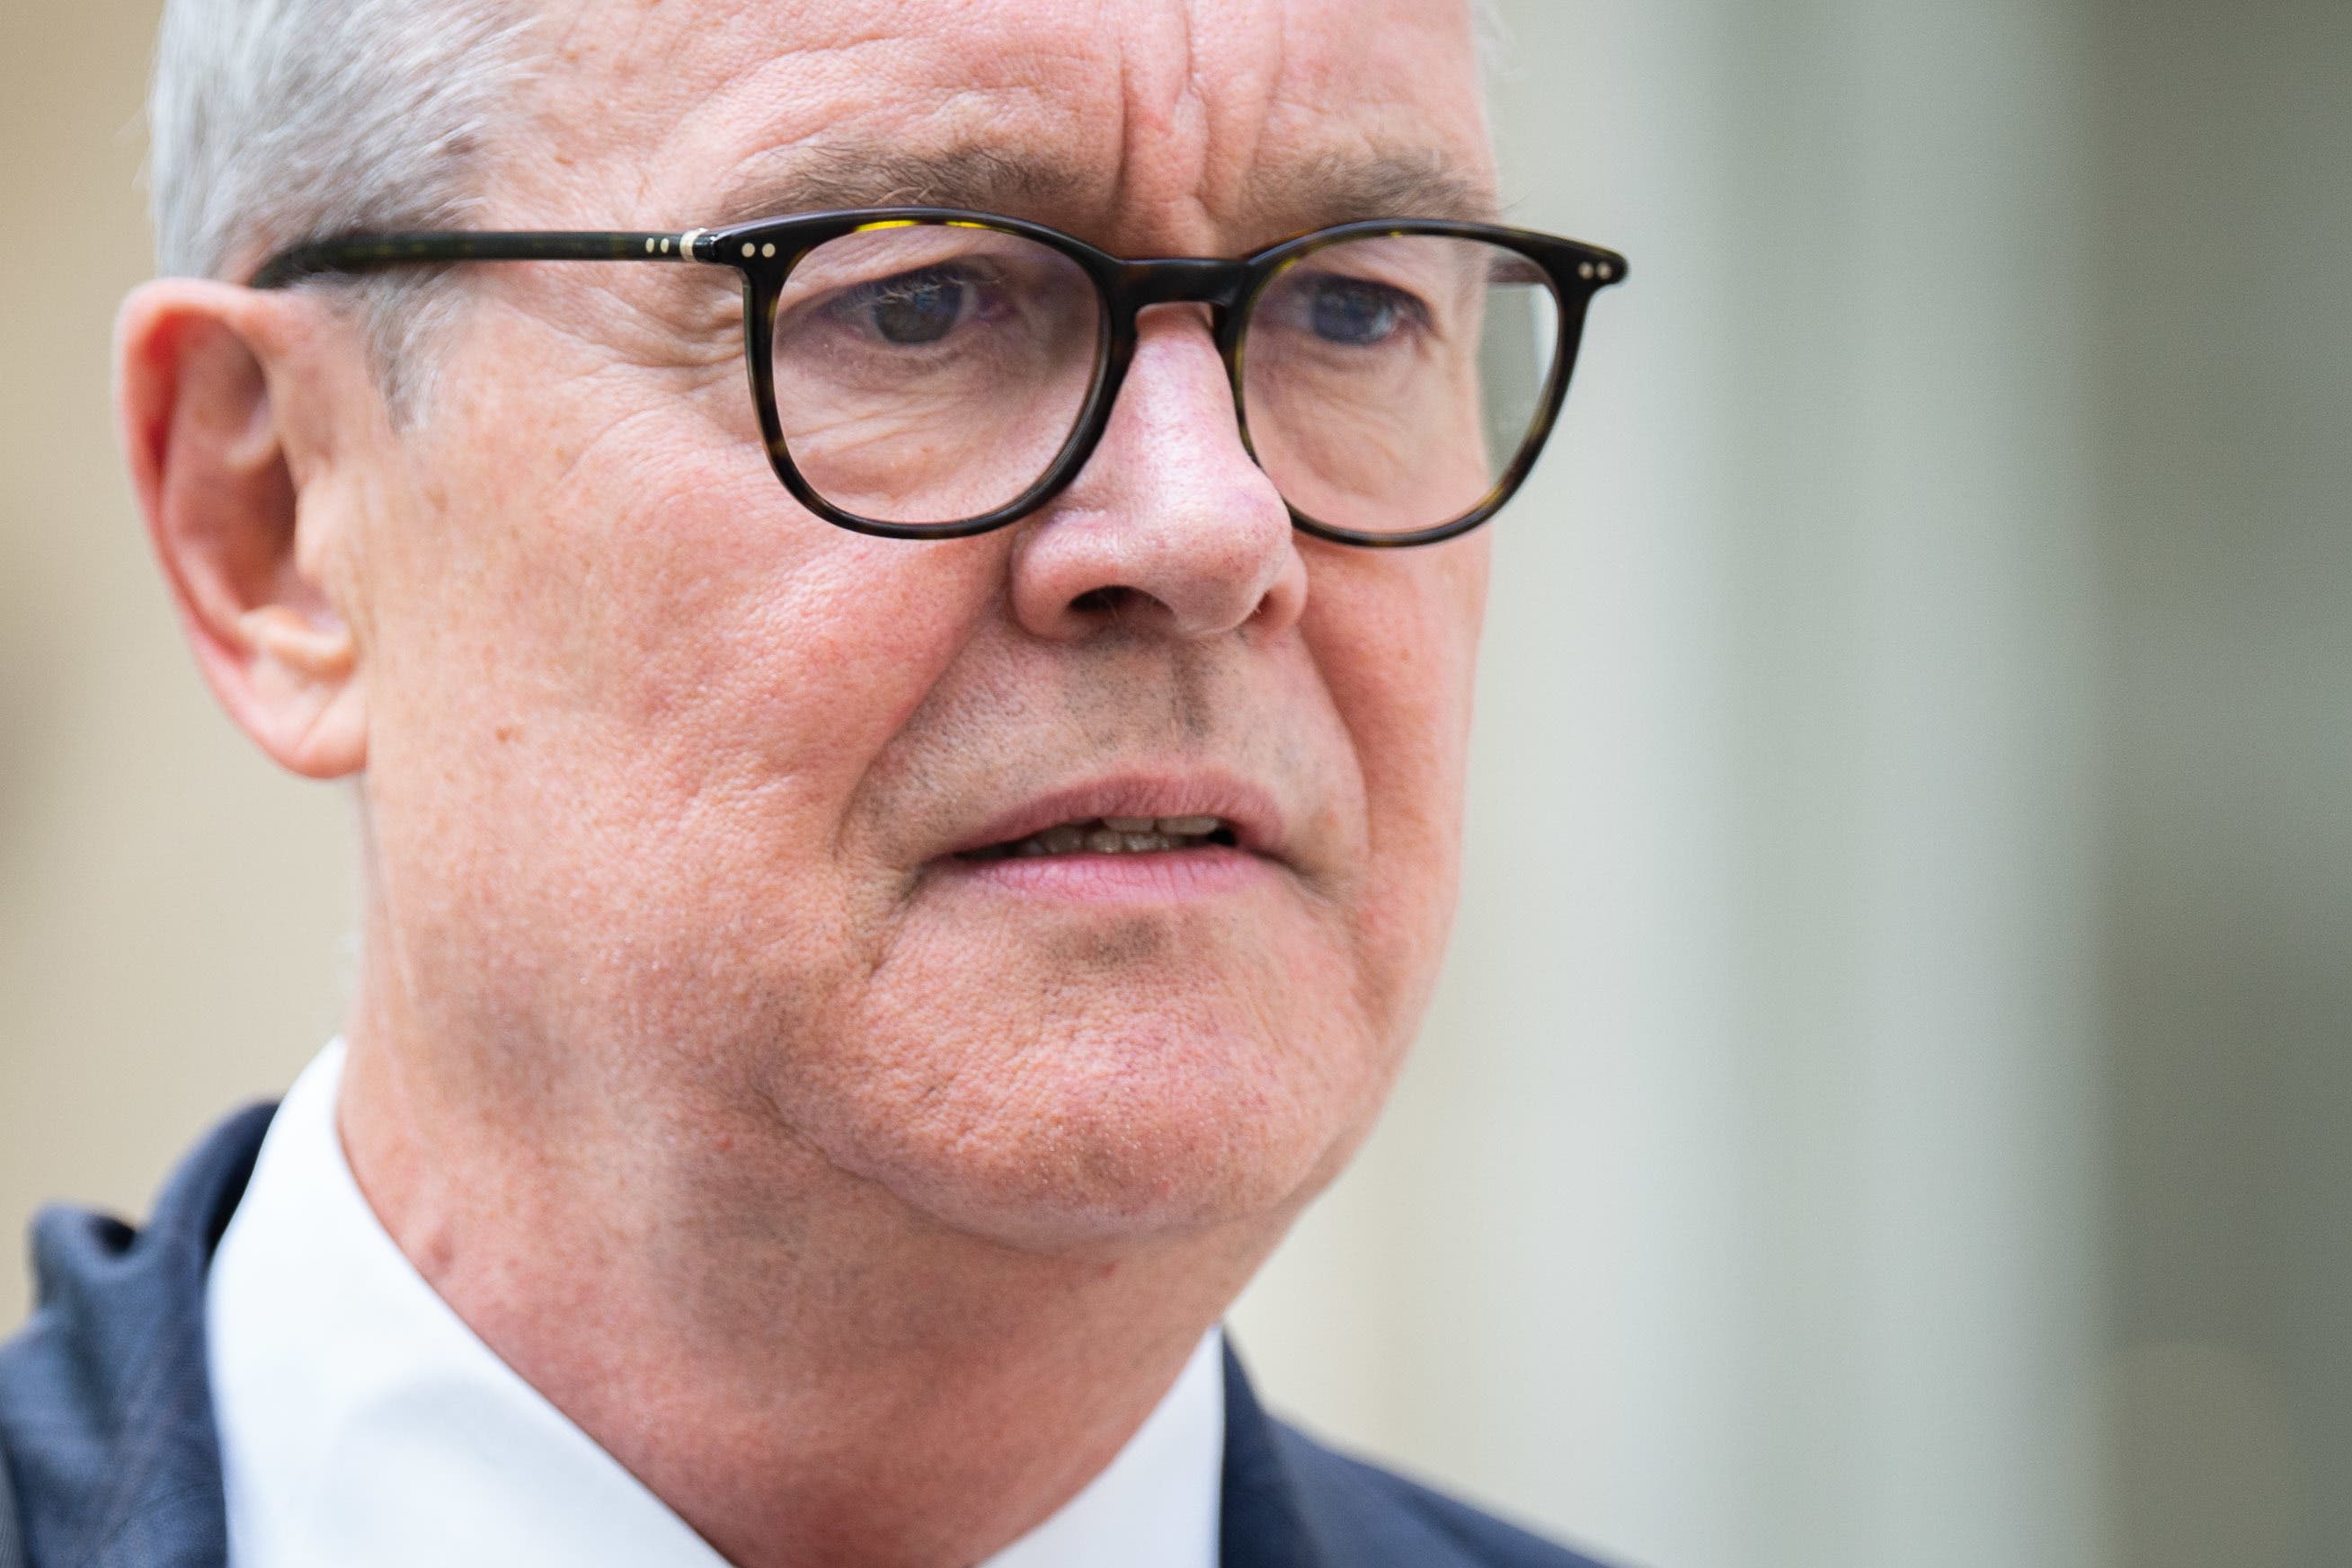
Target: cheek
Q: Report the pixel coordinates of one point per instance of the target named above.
(641, 578)
(620, 675)
(1396, 635)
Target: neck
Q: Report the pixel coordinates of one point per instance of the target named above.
(808, 1371)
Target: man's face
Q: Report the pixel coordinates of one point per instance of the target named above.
(673, 789)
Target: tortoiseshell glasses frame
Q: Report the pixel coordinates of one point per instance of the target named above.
(765, 252)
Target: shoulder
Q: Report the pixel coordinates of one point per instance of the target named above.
(105, 1419)
(1397, 1514)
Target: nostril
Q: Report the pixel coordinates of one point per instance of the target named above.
(1110, 602)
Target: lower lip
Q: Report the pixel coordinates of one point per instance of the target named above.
(1151, 876)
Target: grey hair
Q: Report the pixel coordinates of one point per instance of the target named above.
(1490, 29)
(275, 121)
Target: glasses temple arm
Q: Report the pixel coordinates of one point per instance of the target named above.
(376, 253)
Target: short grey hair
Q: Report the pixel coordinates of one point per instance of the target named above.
(275, 121)
(272, 122)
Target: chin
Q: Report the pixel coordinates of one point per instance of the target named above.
(1102, 1127)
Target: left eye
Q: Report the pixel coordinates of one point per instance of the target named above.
(1355, 312)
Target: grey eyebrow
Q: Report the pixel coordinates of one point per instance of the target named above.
(834, 175)
(1281, 198)
(1346, 188)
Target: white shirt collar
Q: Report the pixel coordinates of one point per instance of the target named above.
(362, 1425)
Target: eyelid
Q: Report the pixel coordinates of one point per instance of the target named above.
(848, 297)
(910, 249)
(910, 278)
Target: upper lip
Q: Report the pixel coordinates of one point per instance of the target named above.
(1247, 808)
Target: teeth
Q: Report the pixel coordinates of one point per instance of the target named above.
(1110, 836)
(1168, 827)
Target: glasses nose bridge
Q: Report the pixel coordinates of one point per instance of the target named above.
(1139, 285)
(1181, 280)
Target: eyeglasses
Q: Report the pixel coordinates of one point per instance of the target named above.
(924, 373)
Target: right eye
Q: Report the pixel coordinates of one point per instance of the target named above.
(913, 308)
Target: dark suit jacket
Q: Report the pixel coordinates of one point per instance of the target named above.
(107, 1457)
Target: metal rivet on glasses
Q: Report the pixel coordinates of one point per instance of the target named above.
(750, 250)
(768, 250)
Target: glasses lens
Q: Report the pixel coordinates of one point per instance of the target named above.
(1390, 382)
(930, 372)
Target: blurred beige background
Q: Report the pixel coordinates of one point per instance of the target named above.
(1891, 1103)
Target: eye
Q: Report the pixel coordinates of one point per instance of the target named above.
(1356, 312)
(914, 308)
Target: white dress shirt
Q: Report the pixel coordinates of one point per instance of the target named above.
(362, 1425)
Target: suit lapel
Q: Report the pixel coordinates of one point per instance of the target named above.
(1260, 1524)
(1291, 1502)
(105, 1409)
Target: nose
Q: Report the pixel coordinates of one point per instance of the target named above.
(1171, 527)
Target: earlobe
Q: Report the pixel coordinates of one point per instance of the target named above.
(238, 524)
(304, 677)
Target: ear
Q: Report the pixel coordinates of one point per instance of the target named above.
(227, 479)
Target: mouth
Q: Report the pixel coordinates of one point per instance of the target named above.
(1114, 836)
(1135, 836)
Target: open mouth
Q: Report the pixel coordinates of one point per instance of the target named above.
(1114, 836)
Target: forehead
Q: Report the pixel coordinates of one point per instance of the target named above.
(1176, 124)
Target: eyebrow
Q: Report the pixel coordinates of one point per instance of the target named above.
(1341, 188)
(873, 175)
(1283, 198)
